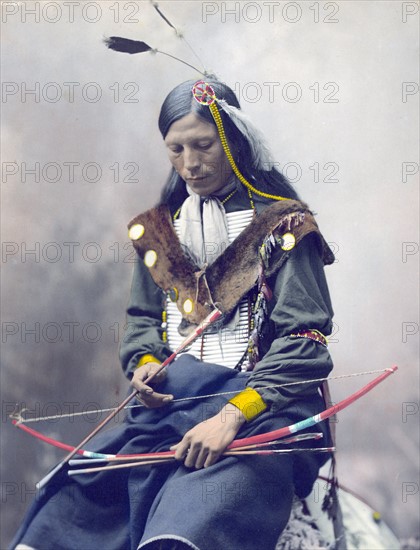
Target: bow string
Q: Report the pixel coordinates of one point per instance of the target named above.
(255, 440)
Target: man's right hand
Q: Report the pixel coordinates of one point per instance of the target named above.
(147, 396)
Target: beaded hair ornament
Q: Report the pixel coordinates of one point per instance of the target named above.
(204, 94)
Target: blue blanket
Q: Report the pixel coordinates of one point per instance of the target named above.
(239, 502)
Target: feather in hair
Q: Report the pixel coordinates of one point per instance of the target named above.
(156, 6)
(126, 45)
(262, 157)
(178, 33)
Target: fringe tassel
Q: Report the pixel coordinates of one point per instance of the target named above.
(331, 505)
(301, 532)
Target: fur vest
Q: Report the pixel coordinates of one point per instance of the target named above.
(262, 247)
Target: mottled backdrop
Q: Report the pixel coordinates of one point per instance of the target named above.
(335, 88)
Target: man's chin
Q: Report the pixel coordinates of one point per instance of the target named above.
(204, 186)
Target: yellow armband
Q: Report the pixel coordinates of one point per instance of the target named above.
(249, 402)
(148, 358)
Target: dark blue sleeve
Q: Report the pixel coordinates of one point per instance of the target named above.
(143, 331)
(300, 301)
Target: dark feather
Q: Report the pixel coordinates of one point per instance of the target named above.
(126, 45)
(163, 16)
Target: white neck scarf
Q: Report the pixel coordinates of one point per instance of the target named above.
(203, 229)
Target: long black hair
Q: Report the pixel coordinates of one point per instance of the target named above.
(179, 103)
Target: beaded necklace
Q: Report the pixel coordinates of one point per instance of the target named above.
(224, 201)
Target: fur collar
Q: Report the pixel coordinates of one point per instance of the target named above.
(236, 271)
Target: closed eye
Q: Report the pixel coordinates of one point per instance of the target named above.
(176, 149)
(204, 145)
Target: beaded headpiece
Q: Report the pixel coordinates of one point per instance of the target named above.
(204, 94)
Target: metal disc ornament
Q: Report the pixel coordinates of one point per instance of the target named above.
(136, 232)
(288, 241)
(150, 258)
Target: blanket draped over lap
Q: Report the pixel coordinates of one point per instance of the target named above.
(239, 502)
(210, 508)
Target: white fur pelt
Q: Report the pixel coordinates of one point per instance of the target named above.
(300, 532)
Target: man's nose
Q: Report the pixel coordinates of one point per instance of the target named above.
(191, 160)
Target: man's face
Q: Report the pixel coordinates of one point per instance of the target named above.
(196, 153)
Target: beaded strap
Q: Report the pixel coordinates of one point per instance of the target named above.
(218, 120)
(312, 334)
(249, 402)
(204, 94)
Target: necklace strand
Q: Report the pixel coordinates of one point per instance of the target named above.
(222, 202)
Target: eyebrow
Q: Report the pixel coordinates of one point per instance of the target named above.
(181, 142)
